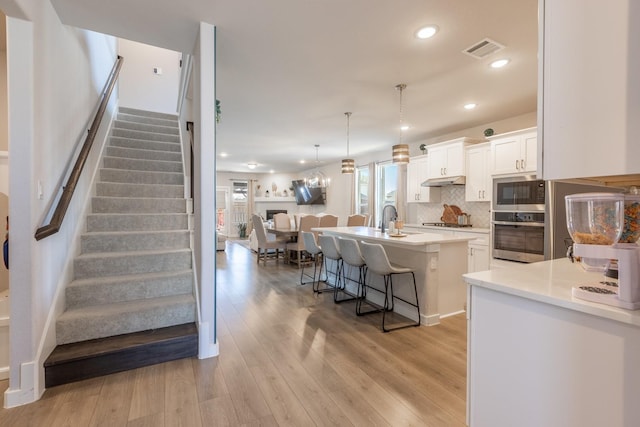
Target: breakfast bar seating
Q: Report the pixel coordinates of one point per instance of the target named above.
(308, 239)
(378, 263)
(352, 257)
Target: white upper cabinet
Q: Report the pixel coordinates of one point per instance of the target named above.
(514, 152)
(479, 181)
(416, 175)
(447, 159)
(590, 115)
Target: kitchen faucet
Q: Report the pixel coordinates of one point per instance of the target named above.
(385, 220)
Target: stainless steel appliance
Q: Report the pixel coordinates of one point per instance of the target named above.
(518, 236)
(519, 194)
(518, 218)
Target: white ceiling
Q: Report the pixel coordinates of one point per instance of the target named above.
(287, 70)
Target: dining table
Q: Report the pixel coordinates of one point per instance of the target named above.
(289, 234)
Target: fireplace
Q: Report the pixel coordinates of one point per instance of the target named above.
(272, 212)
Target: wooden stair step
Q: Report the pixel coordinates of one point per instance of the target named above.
(88, 359)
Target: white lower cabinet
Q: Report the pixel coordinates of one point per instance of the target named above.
(478, 251)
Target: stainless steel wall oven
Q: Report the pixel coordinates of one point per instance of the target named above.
(518, 236)
(518, 219)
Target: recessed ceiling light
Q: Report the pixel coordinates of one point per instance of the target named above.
(470, 106)
(427, 32)
(252, 165)
(499, 63)
(223, 154)
(404, 127)
(272, 171)
(302, 162)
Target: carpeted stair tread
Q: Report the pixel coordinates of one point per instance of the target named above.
(117, 241)
(141, 177)
(138, 205)
(105, 320)
(142, 144)
(141, 153)
(145, 127)
(146, 119)
(146, 113)
(150, 136)
(131, 262)
(125, 189)
(141, 164)
(111, 289)
(136, 221)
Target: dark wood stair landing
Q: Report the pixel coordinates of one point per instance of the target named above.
(88, 359)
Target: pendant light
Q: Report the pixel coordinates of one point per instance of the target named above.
(317, 179)
(348, 165)
(400, 151)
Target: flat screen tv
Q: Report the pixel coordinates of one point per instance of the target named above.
(306, 195)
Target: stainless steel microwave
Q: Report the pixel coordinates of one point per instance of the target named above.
(519, 194)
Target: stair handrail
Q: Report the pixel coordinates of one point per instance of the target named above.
(67, 193)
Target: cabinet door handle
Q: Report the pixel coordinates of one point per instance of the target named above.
(479, 192)
(517, 165)
(483, 194)
(522, 163)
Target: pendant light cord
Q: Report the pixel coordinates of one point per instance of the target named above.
(401, 87)
(348, 116)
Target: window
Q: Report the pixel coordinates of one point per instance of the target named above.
(386, 188)
(362, 190)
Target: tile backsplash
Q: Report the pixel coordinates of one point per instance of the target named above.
(480, 212)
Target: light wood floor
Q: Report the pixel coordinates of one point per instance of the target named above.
(287, 358)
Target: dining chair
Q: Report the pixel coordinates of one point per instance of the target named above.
(307, 222)
(328, 221)
(356, 220)
(267, 248)
(282, 221)
(378, 263)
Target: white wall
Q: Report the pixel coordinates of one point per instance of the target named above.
(55, 75)
(205, 188)
(4, 131)
(140, 87)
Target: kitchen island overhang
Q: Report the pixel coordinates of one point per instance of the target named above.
(438, 260)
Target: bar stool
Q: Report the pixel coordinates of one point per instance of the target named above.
(378, 263)
(315, 252)
(330, 251)
(352, 257)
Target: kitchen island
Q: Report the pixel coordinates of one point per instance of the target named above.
(438, 260)
(539, 357)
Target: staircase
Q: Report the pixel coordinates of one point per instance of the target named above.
(131, 302)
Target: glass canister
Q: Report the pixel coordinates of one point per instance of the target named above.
(631, 228)
(595, 218)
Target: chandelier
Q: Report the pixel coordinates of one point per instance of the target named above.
(317, 179)
(400, 151)
(348, 165)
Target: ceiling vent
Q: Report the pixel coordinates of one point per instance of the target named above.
(483, 48)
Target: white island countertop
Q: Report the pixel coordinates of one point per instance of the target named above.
(435, 228)
(550, 282)
(407, 239)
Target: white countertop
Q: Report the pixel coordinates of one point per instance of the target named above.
(550, 282)
(417, 239)
(478, 230)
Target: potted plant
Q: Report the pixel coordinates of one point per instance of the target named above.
(242, 230)
(423, 148)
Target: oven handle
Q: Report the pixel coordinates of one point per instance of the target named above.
(520, 223)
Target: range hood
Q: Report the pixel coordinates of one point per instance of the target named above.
(441, 182)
